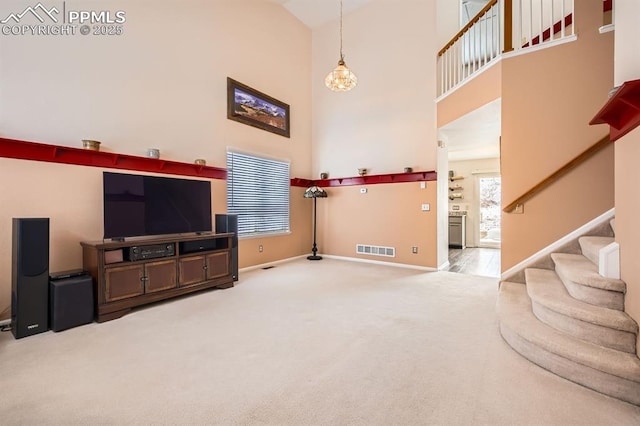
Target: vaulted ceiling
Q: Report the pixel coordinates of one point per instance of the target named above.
(315, 13)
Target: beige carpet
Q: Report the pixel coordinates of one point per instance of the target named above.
(304, 343)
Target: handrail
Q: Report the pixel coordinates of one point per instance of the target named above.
(579, 159)
(466, 27)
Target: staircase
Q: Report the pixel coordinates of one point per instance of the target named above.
(571, 321)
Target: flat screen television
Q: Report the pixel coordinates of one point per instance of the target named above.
(137, 205)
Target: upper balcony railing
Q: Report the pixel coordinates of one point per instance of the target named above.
(501, 26)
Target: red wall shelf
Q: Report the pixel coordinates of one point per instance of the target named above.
(35, 151)
(12, 148)
(622, 110)
(368, 180)
(302, 183)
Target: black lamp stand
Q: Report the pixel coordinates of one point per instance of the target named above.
(314, 256)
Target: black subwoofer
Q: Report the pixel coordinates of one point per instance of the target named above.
(30, 277)
(228, 223)
(70, 301)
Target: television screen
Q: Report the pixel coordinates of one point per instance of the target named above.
(136, 205)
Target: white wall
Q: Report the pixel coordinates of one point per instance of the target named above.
(161, 84)
(448, 19)
(627, 41)
(387, 122)
(443, 206)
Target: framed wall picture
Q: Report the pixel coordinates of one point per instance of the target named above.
(249, 106)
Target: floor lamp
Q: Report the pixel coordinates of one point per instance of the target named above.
(314, 192)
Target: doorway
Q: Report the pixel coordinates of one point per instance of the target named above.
(471, 146)
(489, 198)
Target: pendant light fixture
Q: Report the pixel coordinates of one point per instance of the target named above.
(341, 78)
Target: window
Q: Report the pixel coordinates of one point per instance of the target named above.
(258, 192)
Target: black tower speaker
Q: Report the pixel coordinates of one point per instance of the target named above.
(30, 277)
(227, 223)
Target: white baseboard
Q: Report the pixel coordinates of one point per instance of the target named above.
(350, 259)
(380, 262)
(5, 322)
(444, 266)
(607, 28)
(603, 218)
(275, 262)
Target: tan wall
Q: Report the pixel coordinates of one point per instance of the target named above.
(161, 84)
(484, 88)
(386, 215)
(627, 207)
(544, 125)
(627, 158)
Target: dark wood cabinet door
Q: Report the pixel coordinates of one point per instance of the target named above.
(217, 265)
(160, 275)
(192, 270)
(123, 282)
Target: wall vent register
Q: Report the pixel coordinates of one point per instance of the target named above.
(376, 250)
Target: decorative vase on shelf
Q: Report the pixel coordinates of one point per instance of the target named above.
(153, 153)
(91, 144)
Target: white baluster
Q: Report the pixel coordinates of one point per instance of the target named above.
(551, 33)
(530, 22)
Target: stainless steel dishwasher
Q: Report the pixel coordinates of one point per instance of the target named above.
(457, 230)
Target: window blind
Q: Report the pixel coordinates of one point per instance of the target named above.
(258, 192)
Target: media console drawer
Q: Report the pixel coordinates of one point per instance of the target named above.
(163, 268)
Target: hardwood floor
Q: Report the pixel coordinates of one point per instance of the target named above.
(475, 261)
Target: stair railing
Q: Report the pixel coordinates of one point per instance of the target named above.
(518, 204)
(473, 48)
(501, 26)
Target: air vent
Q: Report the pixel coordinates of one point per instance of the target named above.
(375, 250)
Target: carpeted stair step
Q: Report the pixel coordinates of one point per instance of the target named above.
(605, 370)
(553, 305)
(591, 247)
(612, 222)
(582, 280)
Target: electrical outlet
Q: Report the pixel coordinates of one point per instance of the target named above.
(414, 249)
(426, 207)
(363, 190)
(260, 248)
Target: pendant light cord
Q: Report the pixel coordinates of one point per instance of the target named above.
(341, 54)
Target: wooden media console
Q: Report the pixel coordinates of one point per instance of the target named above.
(128, 274)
